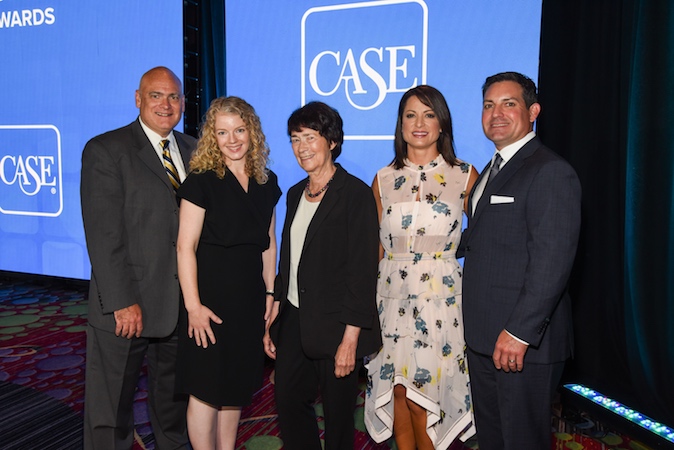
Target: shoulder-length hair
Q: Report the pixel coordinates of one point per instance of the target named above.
(432, 98)
(208, 156)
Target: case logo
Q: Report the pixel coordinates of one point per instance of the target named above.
(30, 170)
(362, 57)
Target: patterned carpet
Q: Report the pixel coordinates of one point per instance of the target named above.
(42, 361)
(42, 351)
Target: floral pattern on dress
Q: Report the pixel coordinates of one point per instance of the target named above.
(419, 301)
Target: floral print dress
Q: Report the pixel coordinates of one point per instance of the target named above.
(419, 301)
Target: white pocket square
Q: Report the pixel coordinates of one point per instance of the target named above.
(498, 199)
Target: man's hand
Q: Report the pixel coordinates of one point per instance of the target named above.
(129, 321)
(509, 353)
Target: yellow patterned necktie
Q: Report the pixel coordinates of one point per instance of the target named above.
(171, 170)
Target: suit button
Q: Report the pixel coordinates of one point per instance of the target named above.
(468, 248)
(175, 276)
(302, 291)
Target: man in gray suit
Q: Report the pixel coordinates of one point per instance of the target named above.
(519, 248)
(130, 218)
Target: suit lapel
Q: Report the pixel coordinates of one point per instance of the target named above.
(148, 155)
(477, 183)
(330, 199)
(515, 163)
(293, 203)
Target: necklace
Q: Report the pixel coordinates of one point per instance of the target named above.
(320, 191)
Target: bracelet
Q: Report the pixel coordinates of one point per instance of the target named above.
(270, 293)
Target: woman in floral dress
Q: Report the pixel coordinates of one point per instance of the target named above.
(418, 386)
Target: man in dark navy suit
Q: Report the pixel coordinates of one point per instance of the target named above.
(519, 248)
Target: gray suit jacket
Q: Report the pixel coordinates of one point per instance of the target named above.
(519, 254)
(130, 219)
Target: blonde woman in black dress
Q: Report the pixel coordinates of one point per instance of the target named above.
(226, 265)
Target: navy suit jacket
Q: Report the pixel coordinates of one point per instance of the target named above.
(519, 248)
(337, 275)
(130, 219)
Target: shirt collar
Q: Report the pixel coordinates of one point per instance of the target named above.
(509, 151)
(155, 138)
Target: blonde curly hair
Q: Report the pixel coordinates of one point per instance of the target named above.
(208, 156)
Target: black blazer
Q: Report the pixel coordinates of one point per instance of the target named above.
(131, 224)
(337, 276)
(519, 248)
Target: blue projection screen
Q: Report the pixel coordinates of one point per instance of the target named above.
(69, 72)
(361, 57)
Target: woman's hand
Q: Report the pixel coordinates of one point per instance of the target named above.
(269, 347)
(199, 325)
(270, 316)
(345, 358)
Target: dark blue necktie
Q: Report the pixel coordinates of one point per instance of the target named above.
(494, 169)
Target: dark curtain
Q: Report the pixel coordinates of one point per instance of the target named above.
(606, 86)
(649, 205)
(213, 80)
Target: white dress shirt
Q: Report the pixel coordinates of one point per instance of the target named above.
(506, 153)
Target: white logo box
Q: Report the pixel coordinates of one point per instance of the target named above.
(30, 170)
(361, 57)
